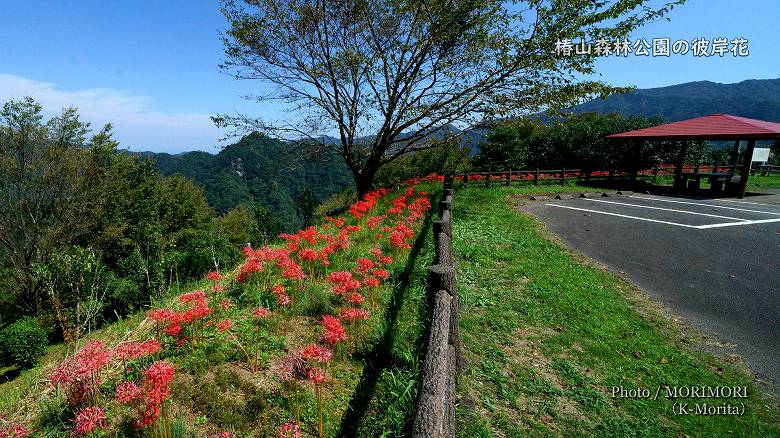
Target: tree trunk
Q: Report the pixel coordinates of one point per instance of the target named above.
(364, 178)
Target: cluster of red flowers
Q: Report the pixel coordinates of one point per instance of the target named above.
(148, 398)
(289, 430)
(173, 322)
(10, 429)
(90, 419)
(133, 350)
(333, 331)
(317, 352)
(79, 375)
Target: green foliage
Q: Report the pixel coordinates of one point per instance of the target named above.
(442, 157)
(265, 175)
(23, 342)
(88, 232)
(579, 141)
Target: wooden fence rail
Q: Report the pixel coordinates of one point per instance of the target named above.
(507, 177)
(435, 409)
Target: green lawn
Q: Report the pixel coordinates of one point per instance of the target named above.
(547, 335)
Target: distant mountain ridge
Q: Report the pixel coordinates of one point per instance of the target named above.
(258, 169)
(753, 98)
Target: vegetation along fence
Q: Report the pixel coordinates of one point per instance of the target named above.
(435, 411)
(560, 176)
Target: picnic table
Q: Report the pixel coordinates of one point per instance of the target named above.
(692, 180)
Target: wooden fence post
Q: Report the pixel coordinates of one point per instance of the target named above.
(465, 179)
(587, 176)
(611, 175)
(536, 177)
(563, 176)
(508, 177)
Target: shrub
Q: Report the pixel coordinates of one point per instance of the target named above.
(23, 342)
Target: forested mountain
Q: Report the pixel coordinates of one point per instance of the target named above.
(259, 169)
(754, 98)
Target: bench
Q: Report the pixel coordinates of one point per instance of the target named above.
(692, 180)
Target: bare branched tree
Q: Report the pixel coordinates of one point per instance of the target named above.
(382, 76)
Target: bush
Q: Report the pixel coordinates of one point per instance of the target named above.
(23, 342)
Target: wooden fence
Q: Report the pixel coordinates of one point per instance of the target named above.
(535, 176)
(435, 410)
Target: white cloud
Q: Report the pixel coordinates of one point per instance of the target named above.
(136, 125)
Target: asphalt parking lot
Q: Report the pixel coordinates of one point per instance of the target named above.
(715, 262)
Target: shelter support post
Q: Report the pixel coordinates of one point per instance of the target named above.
(747, 159)
(679, 182)
(734, 156)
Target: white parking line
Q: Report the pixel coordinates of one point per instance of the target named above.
(731, 224)
(624, 215)
(698, 227)
(667, 209)
(743, 202)
(705, 205)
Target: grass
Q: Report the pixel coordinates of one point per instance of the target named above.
(547, 335)
(370, 382)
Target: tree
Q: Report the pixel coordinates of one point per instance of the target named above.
(387, 74)
(47, 174)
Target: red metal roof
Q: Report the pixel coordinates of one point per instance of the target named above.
(711, 127)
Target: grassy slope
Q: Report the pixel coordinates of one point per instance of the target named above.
(372, 389)
(547, 334)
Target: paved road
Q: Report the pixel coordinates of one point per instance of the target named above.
(714, 262)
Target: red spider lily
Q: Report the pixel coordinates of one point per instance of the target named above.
(333, 331)
(225, 304)
(219, 288)
(352, 228)
(374, 221)
(386, 260)
(214, 276)
(160, 315)
(160, 373)
(173, 330)
(308, 234)
(154, 392)
(261, 312)
(127, 392)
(316, 376)
(199, 310)
(278, 289)
(376, 252)
(339, 277)
(283, 299)
(10, 429)
(381, 273)
(317, 352)
(351, 314)
(355, 298)
(289, 430)
(133, 350)
(89, 419)
(224, 325)
(79, 375)
(371, 281)
(192, 296)
(251, 266)
(364, 264)
(308, 254)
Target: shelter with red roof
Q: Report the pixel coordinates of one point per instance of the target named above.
(711, 127)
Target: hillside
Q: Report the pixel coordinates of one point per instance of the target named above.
(754, 98)
(259, 169)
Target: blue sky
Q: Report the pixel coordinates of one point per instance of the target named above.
(150, 67)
